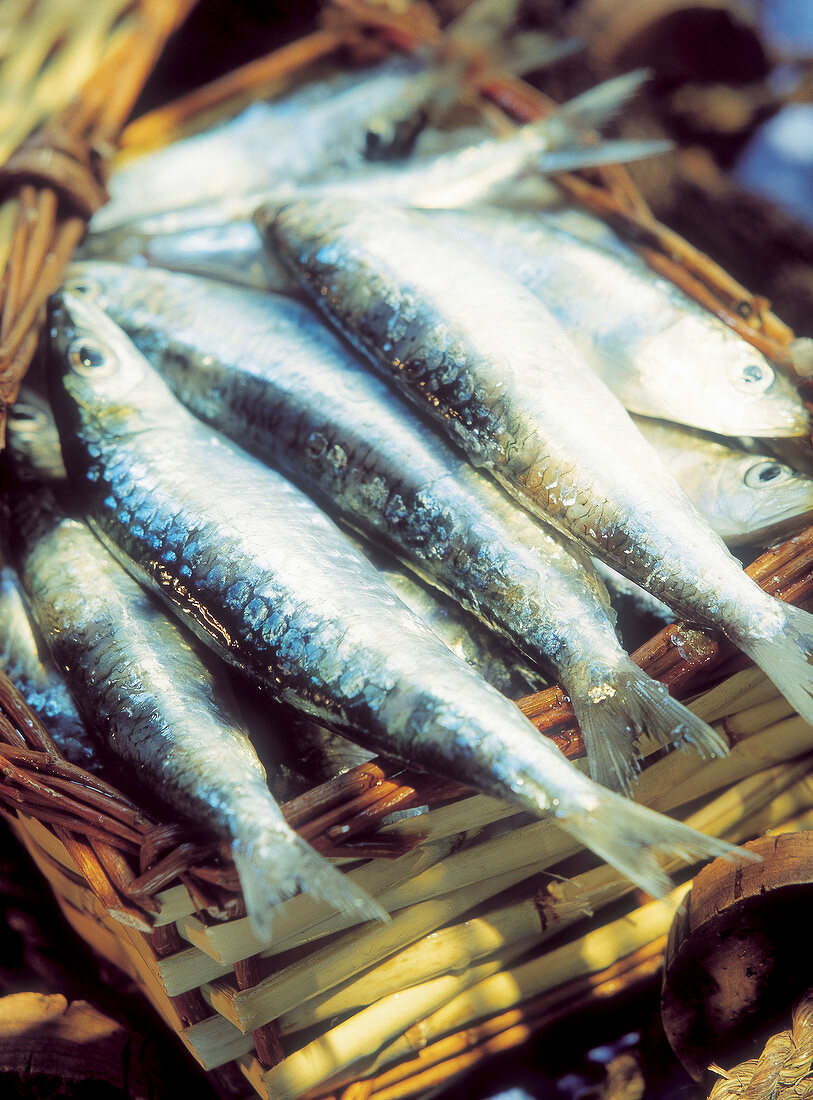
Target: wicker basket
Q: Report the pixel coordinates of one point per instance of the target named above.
(414, 1005)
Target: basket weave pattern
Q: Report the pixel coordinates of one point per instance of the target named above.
(158, 898)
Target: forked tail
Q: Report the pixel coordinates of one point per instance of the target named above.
(615, 708)
(636, 840)
(277, 864)
(782, 646)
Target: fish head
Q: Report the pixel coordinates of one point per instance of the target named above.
(32, 440)
(758, 498)
(710, 378)
(100, 382)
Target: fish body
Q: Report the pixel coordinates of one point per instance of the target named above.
(27, 663)
(745, 497)
(32, 439)
(139, 685)
(660, 353)
(296, 137)
(268, 373)
(260, 573)
(482, 355)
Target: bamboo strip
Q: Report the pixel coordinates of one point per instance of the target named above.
(746, 688)
(321, 969)
(302, 918)
(548, 912)
(188, 969)
(352, 1040)
(214, 1042)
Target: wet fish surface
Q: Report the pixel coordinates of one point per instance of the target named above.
(267, 372)
(485, 359)
(139, 685)
(745, 497)
(260, 573)
(660, 353)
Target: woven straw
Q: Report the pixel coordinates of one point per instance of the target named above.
(784, 1070)
(144, 872)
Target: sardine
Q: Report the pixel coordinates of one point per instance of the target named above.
(454, 178)
(27, 663)
(745, 498)
(267, 372)
(660, 353)
(139, 685)
(32, 439)
(267, 579)
(482, 355)
(318, 125)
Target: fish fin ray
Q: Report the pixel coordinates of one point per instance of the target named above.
(276, 865)
(636, 840)
(575, 158)
(628, 704)
(786, 657)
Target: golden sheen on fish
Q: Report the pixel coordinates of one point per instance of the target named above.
(139, 685)
(483, 356)
(266, 371)
(746, 498)
(268, 580)
(660, 353)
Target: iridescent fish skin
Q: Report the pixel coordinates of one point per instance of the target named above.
(260, 573)
(139, 685)
(266, 371)
(27, 663)
(661, 354)
(483, 356)
(745, 498)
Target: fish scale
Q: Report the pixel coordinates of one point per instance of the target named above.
(340, 646)
(265, 370)
(567, 427)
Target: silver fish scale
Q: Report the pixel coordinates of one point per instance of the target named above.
(137, 680)
(256, 569)
(538, 417)
(265, 371)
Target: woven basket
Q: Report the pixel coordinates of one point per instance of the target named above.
(414, 1005)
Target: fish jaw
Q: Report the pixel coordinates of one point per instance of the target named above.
(741, 394)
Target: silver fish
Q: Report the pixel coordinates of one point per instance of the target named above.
(745, 498)
(454, 178)
(139, 685)
(32, 439)
(257, 570)
(27, 663)
(298, 136)
(267, 372)
(485, 358)
(660, 353)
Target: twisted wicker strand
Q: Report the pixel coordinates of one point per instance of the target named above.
(784, 1070)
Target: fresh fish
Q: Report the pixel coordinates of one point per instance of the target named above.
(139, 685)
(268, 373)
(32, 439)
(660, 353)
(259, 572)
(27, 663)
(454, 178)
(485, 358)
(745, 498)
(319, 125)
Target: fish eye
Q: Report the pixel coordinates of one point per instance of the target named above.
(91, 358)
(767, 473)
(754, 378)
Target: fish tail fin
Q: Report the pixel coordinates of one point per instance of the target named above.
(575, 158)
(625, 703)
(600, 104)
(276, 864)
(785, 654)
(636, 840)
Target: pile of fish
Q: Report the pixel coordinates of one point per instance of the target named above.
(357, 362)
